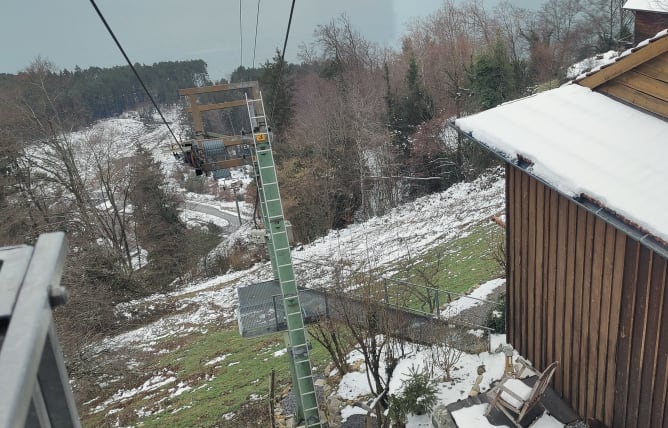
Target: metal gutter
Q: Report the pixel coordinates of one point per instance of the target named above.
(603, 213)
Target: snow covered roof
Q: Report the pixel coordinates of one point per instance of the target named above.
(647, 5)
(649, 48)
(584, 143)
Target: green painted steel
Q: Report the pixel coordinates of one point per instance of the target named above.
(281, 262)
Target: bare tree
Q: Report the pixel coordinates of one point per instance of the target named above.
(335, 339)
(446, 354)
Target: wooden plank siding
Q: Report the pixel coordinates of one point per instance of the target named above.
(648, 23)
(643, 341)
(641, 81)
(582, 292)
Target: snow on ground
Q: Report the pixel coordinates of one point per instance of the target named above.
(587, 64)
(152, 384)
(375, 244)
(354, 386)
(378, 243)
(194, 218)
(476, 298)
(417, 226)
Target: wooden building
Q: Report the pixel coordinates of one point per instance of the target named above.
(587, 233)
(651, 16)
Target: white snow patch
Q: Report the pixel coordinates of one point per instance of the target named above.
(180, 389)
(348, 411)
(587, 64)
(473, 416)
(217, 360)
(475, 298)
(647, 5)
(353, 385)
(156, 382)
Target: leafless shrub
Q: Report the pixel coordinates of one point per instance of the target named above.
(447, 353)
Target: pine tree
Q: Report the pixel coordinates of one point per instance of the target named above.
(407, 112)
(492, 77)
(278, 93)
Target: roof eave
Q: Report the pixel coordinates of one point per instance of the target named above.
(606, 214)
(643, 52)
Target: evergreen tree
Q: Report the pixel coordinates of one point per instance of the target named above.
(278, 85)
(411, 110)
(158, 227)
(492, 77)
(243, 74)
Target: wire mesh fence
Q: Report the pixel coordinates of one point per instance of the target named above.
(406, 310)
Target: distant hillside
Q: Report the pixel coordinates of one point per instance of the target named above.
(95, 93)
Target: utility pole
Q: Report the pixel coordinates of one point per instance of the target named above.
(235, 187)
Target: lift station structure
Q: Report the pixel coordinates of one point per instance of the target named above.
(214, 154)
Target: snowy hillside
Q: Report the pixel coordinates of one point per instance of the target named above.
(197, 309)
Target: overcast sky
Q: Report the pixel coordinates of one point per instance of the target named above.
(69, 33)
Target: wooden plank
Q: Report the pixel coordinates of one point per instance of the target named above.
(225, 164)
(623, 361)
(217, 88)
(560, 292)
(656, 68)
(661, 394)
(516, 316)
(569, 284)
(638, 333)
(650, 356)
(637, 98)
(578, 328)
(613, 331)
(533, 313)
(524, 285)
(594, 315)
(645, 84)
(586, 293)
(665, 409)
(198, 124)
(217, 106)
(540, 283)
(546, 271)
(510, 258)
(626, 63)
(552, 281)
(604, 329)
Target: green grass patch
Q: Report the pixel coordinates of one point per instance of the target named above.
(455, 266)
(216, 388)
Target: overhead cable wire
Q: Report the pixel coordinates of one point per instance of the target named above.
(257, 20)
(241, 39)
(280, 65)
(287, 33)
(134, 70)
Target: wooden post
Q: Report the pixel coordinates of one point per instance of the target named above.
(272, 398)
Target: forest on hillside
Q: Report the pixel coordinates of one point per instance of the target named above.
(362, 128)
(95, 93)
(358, 129)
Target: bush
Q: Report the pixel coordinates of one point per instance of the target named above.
(418, 397)
(496, 320)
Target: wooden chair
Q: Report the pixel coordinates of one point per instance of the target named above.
(514, 395)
